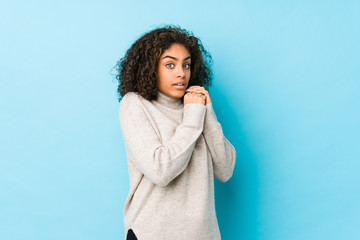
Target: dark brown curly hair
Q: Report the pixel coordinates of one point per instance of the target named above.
(137, 70)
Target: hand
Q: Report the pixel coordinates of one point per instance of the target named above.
(201, 90)
(192, 97)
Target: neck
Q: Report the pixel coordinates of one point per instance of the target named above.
(170, 102)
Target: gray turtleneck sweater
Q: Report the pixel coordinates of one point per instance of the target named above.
(173, 154)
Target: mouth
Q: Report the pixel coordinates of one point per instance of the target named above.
(179, 86)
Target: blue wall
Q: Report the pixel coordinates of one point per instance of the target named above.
(286, 91)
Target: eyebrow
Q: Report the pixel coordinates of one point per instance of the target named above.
(189, 57)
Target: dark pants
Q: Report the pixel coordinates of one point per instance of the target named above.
(131, 235)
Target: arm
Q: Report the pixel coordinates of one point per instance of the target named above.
(222, 152)
(159, 161)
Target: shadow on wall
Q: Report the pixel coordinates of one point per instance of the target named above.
(237, 201)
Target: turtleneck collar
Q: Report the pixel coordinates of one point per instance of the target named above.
(170, 102)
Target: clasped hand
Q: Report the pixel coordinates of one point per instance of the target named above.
(197, 94)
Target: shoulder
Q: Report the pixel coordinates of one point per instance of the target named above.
(130, 96)
(130, 99)
(133, 102)
(130, 107)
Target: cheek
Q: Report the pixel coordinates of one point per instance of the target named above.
(161, 74)
(164, 76)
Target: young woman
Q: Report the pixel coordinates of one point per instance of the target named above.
(175, 146)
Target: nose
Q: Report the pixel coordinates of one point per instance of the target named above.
(180, 72)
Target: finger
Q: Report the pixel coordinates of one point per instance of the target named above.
(193, 91)
(200, 92)
(201, 95)
(197, 87)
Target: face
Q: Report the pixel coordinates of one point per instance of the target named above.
(174, 68)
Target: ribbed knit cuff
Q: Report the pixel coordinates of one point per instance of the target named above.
(210, 111)
(194, 115)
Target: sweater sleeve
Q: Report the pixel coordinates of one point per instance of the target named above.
(159, 161)
(222, 151)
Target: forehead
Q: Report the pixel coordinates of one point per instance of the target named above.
(176, 49)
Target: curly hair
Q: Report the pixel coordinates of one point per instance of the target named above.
(137, 70)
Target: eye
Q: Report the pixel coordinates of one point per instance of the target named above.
(170, 64)
(187, 66)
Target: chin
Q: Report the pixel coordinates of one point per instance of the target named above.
(180, 94)
(174, 93)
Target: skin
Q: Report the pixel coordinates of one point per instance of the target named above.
(201, 90)
(174, 66)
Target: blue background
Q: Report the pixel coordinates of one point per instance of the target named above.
(286, 91)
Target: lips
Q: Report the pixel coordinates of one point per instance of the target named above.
(181, 86)
(179, 83)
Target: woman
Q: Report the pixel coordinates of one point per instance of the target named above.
(175, 146)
